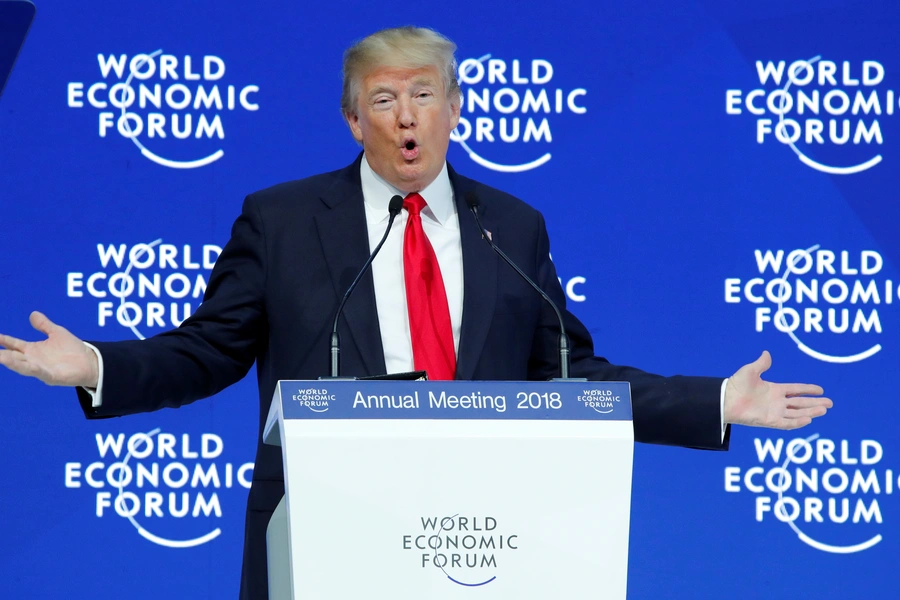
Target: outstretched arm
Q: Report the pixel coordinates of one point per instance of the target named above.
(684, 411)
(209, 351)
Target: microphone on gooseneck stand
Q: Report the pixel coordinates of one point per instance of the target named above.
(394, 208)
(472, 201)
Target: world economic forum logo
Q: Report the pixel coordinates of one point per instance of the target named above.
(602, 401)
(462, 549)
(507, 109)
(147, 287)
(827, 112)
(169, 487)
(831, 303)
(315, 399)
(832, 494)
(172, 108)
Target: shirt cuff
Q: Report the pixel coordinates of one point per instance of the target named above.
(721, 403)
(97, 394)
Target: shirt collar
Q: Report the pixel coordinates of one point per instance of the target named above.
(377, 194)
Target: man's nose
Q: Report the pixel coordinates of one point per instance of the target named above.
(406, 115)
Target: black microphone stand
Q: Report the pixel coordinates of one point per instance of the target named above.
(563, 344)
(394, 208)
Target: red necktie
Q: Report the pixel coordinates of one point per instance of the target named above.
(426, 299)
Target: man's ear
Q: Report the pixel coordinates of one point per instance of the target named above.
(454, 114)
(353, 123)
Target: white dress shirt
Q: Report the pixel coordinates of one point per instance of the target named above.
(441, 224)
(440, 221)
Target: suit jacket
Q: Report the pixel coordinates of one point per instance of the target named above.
(271, 299)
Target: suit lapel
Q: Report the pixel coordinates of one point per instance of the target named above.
(479, 278)
(343, 234)
(345, 242)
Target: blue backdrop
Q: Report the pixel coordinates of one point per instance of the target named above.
(731, 168)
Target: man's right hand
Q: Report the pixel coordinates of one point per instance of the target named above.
(61, 359)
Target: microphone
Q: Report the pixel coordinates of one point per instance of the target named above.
(394, 208)
(472, 201)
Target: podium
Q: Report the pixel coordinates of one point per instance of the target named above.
(446, 490)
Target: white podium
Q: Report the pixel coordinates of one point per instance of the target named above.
(400, 490)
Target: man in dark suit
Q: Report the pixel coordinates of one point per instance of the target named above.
(297, 246)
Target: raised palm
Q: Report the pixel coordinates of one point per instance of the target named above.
(750, 400)
(61, 359)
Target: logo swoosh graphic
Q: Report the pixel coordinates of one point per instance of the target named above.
(497, 166)
(808, 540)
(173, 164)
(442, 568)
(807, 160)
(155, 538)
(806, 349)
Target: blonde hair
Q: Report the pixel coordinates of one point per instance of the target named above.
(406, 47)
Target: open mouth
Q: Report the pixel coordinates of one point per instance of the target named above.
(410, 150)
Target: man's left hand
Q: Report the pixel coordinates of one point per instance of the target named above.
(750, 400)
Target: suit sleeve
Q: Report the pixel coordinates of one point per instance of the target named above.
(212, 349)
(678, 411)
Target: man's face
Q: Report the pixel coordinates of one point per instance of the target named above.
(403, 120)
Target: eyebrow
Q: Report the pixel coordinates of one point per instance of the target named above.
(380, 89)
(417, 82)
(423, 81)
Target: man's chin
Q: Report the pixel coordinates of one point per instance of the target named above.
(411, 179)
